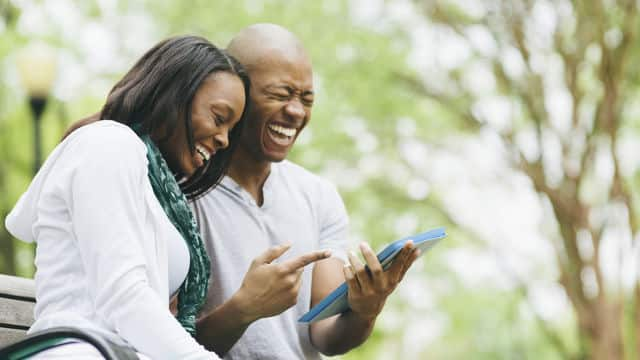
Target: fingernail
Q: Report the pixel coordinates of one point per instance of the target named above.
(327, 253)
(348, 273)
(353, 254)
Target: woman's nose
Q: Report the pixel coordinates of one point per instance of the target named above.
(222, 139)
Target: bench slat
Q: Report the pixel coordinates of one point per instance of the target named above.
(10, 336)
(17, 299)
(16, 312)
(16, 286)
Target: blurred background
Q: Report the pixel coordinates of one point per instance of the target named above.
(513, 123)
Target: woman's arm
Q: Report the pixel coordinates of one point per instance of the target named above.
(107, 212)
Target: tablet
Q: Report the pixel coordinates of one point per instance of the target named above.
(337, 302)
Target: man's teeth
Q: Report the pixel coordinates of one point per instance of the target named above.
(203, 152)
(283, 130)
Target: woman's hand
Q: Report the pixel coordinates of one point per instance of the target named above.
(270, 288)
(368, 290)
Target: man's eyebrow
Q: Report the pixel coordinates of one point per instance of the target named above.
(277, 86)
(288, 88)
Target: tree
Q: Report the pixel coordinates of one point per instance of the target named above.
(564, 72)
(367, 110)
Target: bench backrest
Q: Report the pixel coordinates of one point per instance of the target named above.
(17, 299)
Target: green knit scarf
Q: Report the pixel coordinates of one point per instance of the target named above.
(193, 291)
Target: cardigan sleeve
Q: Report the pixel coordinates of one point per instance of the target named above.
(107, 211)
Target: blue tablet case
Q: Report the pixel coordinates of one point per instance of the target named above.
(337, 302)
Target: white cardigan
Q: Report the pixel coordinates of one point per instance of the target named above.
(102, 237)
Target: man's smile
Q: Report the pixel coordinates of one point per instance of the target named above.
(281, 135)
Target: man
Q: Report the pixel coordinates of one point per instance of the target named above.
(268, 203)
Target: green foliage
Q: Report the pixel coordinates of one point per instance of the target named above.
(360, 96)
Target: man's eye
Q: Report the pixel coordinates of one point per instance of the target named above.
(307, 101)
(218, 120)
(280, 95)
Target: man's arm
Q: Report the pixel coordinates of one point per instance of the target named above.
(221, 328)
(368, 292)
(267, 289)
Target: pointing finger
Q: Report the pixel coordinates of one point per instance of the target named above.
(272, 253)
(306, 259)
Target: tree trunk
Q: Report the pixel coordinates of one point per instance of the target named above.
(603, 331)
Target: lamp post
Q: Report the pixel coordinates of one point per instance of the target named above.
(37, 65)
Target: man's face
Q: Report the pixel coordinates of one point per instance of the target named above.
(281, 100)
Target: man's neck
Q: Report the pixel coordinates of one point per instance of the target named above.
(249, 173)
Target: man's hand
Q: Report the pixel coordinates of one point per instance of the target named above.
(269, 288)
(368, 290)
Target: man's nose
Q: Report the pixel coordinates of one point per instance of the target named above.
(295, 109)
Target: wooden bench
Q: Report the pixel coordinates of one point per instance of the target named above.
(17, 299)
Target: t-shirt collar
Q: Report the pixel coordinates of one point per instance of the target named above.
(267, 188)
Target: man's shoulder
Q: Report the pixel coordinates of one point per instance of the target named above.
(295, 172)
(296, 178)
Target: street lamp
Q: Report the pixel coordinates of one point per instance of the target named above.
(37, 64)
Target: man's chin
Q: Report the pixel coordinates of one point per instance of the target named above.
(275, 157)
(275, 154)
(264, 154)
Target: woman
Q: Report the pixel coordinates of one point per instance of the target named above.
(115, 236)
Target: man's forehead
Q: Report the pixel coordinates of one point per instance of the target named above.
(282, 67)
(259, 40)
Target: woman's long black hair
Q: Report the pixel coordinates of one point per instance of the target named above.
(157, 94)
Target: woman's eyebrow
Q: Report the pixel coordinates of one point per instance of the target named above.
(224, 106)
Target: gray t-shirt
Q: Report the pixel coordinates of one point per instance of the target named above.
(299, 207)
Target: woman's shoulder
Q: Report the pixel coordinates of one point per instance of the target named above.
(106, 138)
(106, 132)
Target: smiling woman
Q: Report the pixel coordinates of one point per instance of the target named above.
(213, 114)
(115, 235)
(199, 86)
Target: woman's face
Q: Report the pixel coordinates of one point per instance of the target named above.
(216, 108)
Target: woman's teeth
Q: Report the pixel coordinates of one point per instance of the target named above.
(289, 132)
(203, 153)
